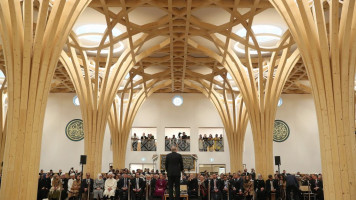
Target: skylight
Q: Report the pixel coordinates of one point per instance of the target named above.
(90, 35)
(266, 36)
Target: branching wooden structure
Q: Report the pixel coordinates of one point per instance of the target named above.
(33, 34)
(325, 32)
(178, 46)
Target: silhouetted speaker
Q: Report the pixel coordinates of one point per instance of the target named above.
(277, 160)
(83, 159)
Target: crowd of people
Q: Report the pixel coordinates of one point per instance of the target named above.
(211, 143)
(147, 143)
(182, 142)
(206, 143)
(148, 185)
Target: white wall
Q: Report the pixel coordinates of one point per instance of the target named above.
(196, 111)
(300, 152)
(58, 152)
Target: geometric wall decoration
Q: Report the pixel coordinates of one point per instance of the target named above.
(281, 131)
(188, 162)
(74, 130)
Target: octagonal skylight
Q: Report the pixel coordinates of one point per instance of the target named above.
(90, 36)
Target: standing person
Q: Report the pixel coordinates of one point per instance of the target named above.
(292, 186)
(174, 167)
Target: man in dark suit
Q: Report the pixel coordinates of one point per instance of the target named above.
(138, 187)
(87, 184)
(122, 187)
(316, 186)
(272, 186)
(216, 186)
(174, 167)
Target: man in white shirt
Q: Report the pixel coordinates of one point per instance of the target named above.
(70, 181)
(110, 186)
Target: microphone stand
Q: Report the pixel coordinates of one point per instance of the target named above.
(209, 189)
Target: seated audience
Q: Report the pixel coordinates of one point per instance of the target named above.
(86, 187)
(160, 187)
(55, 191)
(74, 188)
(138, 186)
(98, 187)
(192, 186)
(123, 187)
(110, 186)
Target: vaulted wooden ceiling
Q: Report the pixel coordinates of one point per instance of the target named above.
(179, 21)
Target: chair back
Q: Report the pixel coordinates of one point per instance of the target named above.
(183, 189)
(305, 188)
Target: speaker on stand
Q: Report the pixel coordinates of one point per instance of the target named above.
(83, 161)
(277, 161)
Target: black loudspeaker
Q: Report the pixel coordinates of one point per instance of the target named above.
(277, 160)
(83, 159)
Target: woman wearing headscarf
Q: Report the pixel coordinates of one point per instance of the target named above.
(99, 187)
(74, 191)
(55, 191)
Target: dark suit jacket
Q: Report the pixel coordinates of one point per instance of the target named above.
(174, 164)
(193, 184)
(238, 184)
(141, 184)
(268, 185)
(121, 183)
(318, 184)
(219, 185)
(84, 184)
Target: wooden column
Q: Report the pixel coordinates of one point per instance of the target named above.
(325, 32)
(122, 115)
(232, 112)
(33, 37)
(3, 116)
(260, 86)
(96, 86)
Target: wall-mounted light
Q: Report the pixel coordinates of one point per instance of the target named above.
(177, 100)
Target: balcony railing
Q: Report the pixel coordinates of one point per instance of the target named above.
(182, 144)
(212, 144)
(143, 145)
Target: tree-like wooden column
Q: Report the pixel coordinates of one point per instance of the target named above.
(3, 116)
(260, 85)
(232, 112)
(33, 37)
(96, 88)
(123, 112)
(325, 33)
